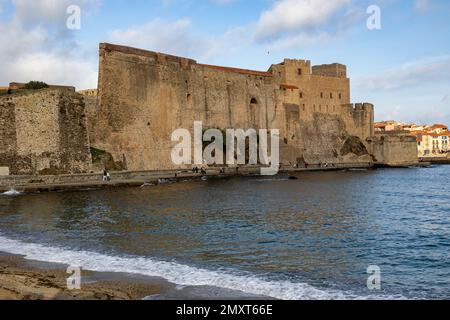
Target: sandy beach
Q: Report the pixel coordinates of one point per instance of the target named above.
(22, 279)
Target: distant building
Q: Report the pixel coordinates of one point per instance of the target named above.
(386, 126)
(437, 128)
(415, 128)
(433, 142)
(393, 126)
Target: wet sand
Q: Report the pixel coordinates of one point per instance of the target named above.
(22, 279)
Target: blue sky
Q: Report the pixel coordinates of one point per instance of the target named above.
(403, 68)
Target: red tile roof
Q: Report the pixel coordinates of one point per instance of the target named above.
(439, 126)
(442, 134)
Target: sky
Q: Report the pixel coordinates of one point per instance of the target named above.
(403, 67)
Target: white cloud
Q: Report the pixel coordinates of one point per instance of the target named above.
(293, 16)
(40, 48)
(434, 112)
(177, 38)
(55, 69)
(390, 114)
(300, 40)
(158, 35)
(49, 12)
(274, 25)
(27, 57)
(418, 90)
(410, 74)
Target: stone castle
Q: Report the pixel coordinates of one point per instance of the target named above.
(143, 96)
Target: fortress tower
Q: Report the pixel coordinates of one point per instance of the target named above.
(144, 96)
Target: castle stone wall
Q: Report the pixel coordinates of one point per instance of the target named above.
(44, 132)
(144, 96)
(394, 150)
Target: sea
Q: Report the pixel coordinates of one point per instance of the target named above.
(344, 235)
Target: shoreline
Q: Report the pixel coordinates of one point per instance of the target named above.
(38, 184)
(22, 279)
(27, 279)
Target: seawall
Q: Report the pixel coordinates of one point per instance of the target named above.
(33, 183)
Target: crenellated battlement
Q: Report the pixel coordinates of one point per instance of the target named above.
(330, 70)
(358, 107)
(297, 62)
(296, 67)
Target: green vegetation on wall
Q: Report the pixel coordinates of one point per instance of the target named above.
(97, 154)
(35, 85)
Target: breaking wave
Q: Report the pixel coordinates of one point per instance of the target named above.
(12, 193)
(176, 273)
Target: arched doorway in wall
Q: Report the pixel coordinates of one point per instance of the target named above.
(253, 112)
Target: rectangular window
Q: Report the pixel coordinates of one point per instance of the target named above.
(321, 94)
(299, 72)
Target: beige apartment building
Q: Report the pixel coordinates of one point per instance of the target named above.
(433, 144)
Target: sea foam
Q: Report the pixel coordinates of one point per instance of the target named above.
(174, 272)
(12, 193)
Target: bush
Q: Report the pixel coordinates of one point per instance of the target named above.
(35, 85)
(97, 154)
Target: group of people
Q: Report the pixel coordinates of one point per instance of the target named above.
(326, 165)
(199, 170)
(203, 170)
(307, 165)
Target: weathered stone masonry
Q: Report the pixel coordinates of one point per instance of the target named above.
(44, 132)
(143, 96)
